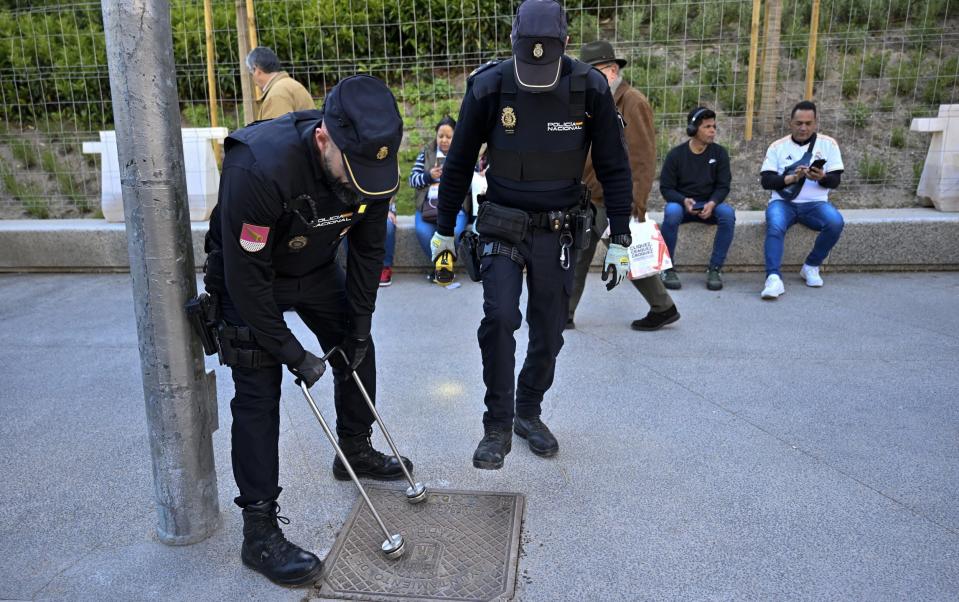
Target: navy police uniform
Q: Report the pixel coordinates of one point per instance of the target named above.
(537, 147)
(276, 229)
(283, 210)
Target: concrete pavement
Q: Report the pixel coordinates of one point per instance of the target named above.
(806, 448)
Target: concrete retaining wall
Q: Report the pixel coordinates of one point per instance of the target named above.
(874, 239)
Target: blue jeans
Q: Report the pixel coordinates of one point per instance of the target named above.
(724, 217)
(820, 216)
(390, 244)
(425, 230)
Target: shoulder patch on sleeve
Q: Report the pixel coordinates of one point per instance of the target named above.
(253, 238)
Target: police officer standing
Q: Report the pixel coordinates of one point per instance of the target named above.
(538, 112)
(291, 190)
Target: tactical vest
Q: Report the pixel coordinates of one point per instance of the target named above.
(540, 136)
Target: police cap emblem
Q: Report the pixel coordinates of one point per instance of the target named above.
(538, 50)
(381, 154)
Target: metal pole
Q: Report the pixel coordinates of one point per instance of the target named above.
(811, 51)
(180, 396)
(210, 75)
(751, 77)
(243, 46)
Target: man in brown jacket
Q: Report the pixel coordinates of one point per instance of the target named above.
(641, 143)
(281, 93)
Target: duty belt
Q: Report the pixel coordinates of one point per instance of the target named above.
(551, 220)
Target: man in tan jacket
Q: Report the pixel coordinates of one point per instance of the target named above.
(281, 93)
(641, 143)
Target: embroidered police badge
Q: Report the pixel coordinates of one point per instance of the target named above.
(508, 119)
(538, 50)
(297, 243)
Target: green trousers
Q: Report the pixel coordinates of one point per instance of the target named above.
(650, 288)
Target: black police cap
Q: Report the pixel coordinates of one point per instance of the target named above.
(539, 39)
(361, 116)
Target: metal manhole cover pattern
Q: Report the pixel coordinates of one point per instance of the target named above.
(460, 545)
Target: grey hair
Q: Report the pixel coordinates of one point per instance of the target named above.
(264, 58)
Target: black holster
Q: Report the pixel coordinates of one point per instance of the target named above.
(203, 312)
(583, 218)
(469, 254)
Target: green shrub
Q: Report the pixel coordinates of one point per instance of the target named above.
(24, 152)
(887, 103)
(917, 168)
(633, 23)
(898, 138)
(943, 80)
(873, 171)
(33, 203)
(732, 98)
(874, 63)
(858, 115)
(850, 85)
(69, 187)
(904, 75)
(669, 20)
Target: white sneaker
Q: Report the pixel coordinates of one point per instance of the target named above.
(811, 274)
(774, 287)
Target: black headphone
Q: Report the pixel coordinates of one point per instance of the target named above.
(692, 127)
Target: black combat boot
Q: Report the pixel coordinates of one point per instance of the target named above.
(367, 462)
(541, 440)
(266, 550)
(492, 449)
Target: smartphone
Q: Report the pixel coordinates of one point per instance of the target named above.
(698, 207)
(818, 163)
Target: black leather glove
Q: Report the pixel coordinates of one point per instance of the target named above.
(355, 348)
(309, 370)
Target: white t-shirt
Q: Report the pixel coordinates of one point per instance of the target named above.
(785, 153)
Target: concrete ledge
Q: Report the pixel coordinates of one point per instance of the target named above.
(874, 239)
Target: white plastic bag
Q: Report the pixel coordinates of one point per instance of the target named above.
(648, 254)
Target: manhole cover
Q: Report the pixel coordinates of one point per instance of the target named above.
(460, 545)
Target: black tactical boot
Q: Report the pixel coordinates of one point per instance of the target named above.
(541, 441)
(266, 550)
(367, 462)
(492, 449)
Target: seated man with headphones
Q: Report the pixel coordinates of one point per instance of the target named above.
(695, 181)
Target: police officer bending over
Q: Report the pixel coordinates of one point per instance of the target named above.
(291, 190)
(538, 112)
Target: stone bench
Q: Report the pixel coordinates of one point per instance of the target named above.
(874, 239)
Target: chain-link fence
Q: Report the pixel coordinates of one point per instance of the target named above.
(878, 63)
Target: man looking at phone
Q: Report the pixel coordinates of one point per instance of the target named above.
(800, 169)
(695, 181)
